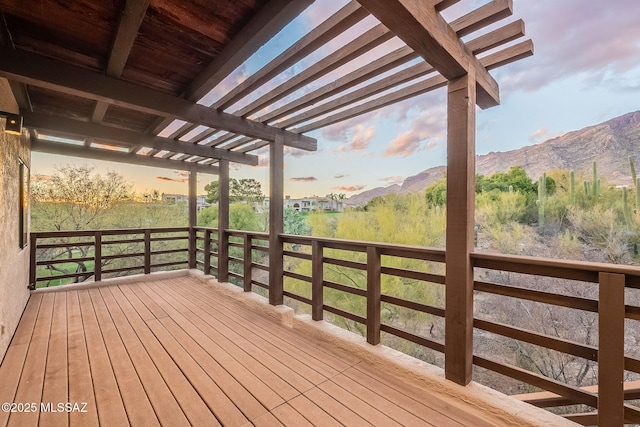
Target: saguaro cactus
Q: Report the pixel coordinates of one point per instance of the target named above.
(594, 183)
(542, 195)
(572, 186)
(632, 167)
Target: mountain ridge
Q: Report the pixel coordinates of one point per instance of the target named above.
(610, 143)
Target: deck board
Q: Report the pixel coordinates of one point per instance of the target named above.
(176, 352)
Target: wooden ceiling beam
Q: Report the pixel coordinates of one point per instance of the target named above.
(426, 32)
(115, 156)
(443, 4)
(64, 125)
(130, 20)
(490, 40)
(352, 50)
(341, 21)
(43, 72)
(505, 56)
(482, 16)
(268, 22)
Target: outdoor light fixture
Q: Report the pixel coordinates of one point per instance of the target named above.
(14, 123)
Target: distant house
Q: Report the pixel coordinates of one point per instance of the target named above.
(314, 203)
(201, 203)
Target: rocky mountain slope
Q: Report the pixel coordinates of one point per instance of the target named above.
(609, 143)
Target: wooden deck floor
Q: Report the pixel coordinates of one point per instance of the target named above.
(174, 352)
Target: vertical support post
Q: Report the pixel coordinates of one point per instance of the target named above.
(207, 252)
(461, 111)
(317, 278)
(97, 256)
(374, 292)
(276, 220)
(247, 262)
(147, 251)
(193, 215)
(223, 221)
(33, 246)
(611, 350)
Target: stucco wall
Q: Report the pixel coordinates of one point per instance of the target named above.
(14, 262)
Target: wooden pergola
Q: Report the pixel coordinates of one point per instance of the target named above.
(117, 74)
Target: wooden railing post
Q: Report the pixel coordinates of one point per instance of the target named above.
(192, 247)
(611, 350)
(461, 108)
(207, 252)
(97, 256)
(223, 221)
(374, 292)
(147, 251)
(317, 277)
(276, 220)
(247, 262)
(33, 245)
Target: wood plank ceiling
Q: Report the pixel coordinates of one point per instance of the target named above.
(132, 76)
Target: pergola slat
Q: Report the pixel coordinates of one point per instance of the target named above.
(362, 44)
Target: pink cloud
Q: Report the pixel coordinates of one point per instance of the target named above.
(349, 188)
(577, 37)
(424, 132)
(166, 178)
(392, 179)
(360, 140)
(539, 135)
(303, 179)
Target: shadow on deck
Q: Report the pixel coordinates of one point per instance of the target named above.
(171, 350)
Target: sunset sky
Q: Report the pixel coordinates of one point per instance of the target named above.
(585, 70)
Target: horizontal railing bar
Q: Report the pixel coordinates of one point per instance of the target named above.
(298, 240)
(299, 255)
(631, 414)
(253, 234)
(64, 245)
(169, 251)
(260, 248)
(120, 256)
(547, 399)
(575, 394)
(411, 274)
(344, 288)
(632, 312)
(64, 261)
(296, 276)
(260, 266)
(573, 270)
(296, 297)
(537, 296)
(236, 259)
(236, 275)
(568, 347)
(123, 269)
(423, 308)
(260, 284)
(346, 314)
(631, 364)
(345, 263)
(167, 239)
(433, 345)
(235, 245)
(107, 232)
(169, 264)
(65, 276)
(422, 254)
(121, 242)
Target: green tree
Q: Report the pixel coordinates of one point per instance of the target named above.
(75, 198)
(212, 192)
(295, 222)
(241, 217)
(436, 194)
